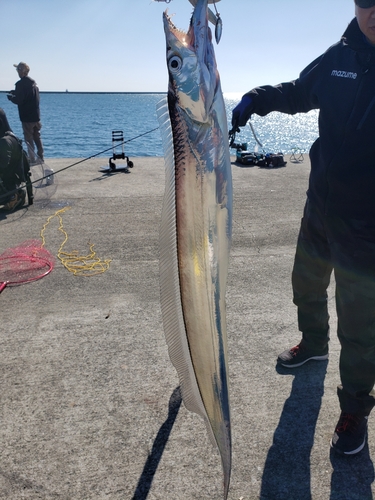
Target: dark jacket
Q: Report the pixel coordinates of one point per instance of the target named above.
(13, 163)
(4, 124)
(26, 96)
(341, 84)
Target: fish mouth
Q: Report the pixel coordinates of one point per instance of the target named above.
(196, 37)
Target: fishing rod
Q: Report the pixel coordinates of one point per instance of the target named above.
(94, 155)
(255, 136)
(30, 183)
(235, 130)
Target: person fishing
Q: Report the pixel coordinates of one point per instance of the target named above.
(26, 96)
(337, 232)
(13, 167)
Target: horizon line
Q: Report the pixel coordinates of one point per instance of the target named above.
(88, 92)
(234, 94)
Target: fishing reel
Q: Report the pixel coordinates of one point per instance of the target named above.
(232, 138)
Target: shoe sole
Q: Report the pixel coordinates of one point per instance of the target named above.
(353, 452)
(316, 358)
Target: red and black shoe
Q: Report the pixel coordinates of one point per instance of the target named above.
(298, 355)
(350, 434)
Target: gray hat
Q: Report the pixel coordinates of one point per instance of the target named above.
(22, 67)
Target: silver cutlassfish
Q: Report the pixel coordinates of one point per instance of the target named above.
(196, 226)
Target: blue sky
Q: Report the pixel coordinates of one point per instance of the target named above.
(119, 45)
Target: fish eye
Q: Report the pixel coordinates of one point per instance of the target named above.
(175, 64)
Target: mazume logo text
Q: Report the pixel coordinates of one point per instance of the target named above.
(344, 74)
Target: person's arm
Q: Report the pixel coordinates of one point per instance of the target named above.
(20, 94)
(11, 96)
(292, 97)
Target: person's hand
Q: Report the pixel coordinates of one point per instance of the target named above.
(242, 112)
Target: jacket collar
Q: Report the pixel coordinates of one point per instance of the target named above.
(354, 38)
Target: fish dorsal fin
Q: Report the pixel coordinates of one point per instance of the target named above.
(170, 294)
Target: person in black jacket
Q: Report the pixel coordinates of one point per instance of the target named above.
(26, 96)
(338, 227)
(13, 167)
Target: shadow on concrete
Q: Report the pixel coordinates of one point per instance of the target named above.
(15, 215)
(352, 476)
(241, 165)
(287, 473)
(145, 481)
(103, 177)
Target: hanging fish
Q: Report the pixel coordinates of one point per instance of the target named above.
(196, 226)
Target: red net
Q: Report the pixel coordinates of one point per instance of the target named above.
(26, 262)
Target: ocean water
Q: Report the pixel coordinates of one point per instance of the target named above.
(79, 125)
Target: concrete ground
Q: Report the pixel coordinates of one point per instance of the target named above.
(90, 406)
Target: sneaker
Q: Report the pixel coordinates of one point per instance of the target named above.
(298, 355)
(16, 201)
(350, 434)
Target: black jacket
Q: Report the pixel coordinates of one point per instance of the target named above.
(26, 96)
(341, 84)
(4, 124)
(13, 163)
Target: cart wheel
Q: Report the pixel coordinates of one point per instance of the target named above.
(130, 164)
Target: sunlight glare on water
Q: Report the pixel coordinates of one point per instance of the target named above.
(277, 132)
(79, 125)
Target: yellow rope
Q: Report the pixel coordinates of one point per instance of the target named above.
(79, 265)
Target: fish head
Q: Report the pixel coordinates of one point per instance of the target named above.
(193, 75)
